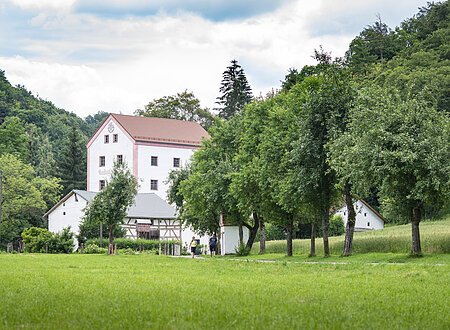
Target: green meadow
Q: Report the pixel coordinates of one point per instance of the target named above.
(370, 291)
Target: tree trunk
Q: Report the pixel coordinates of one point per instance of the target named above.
(289, 231)
(416, 217)
(262, 234)
(312, 250)
(111, 240)
(253, 231)
(325, 225)
(241, 235)
(351, 220)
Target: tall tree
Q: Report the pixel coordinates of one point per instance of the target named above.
(236, 91)
(401, 146)
(25, 197)
(72, 161)
(110, 205)
(14, 139)
(183, 106)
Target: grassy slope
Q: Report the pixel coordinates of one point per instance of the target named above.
(97, 291)
(435, 238)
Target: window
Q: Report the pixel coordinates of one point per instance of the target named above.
(153, 184)
(101, 161)
(64, 213)
(368, 224)
(344, 212)
(115, 138)
(154, 161)
(120, 159)
(152, 234)
(106, 138)
(101, 184)
(176, 162)
(365, 214)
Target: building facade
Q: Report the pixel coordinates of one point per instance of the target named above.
(367, 218)
(151, 148)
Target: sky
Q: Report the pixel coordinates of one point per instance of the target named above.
(117, 55)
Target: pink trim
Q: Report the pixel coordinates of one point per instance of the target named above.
(88, 170)
(100, 129)
(169, 145)
(135, 160)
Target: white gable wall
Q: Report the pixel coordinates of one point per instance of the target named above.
(68, 213)
(366, 219)
(147, 172)
(229, 238)
(124, 147)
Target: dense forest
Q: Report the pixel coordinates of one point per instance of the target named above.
(277, 156)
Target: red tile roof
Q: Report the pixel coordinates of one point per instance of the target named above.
(162, 130)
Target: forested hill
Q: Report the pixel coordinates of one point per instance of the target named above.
(51, 139)
(414, 57)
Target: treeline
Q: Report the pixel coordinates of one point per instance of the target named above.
(42, 157)
(372, 125)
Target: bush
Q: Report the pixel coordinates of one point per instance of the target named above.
(134, 244)
(94, 249)
(40, 240)
(242, 250)
(336, 227)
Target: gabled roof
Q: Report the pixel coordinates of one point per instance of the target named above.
(373, 210)
(159, 130)
(149, 205)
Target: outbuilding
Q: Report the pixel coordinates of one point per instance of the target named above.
(367, 218)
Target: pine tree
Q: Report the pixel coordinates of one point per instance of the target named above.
(236, 91)
(72, 164)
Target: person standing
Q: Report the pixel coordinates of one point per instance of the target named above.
(193, 246)
(213, 244)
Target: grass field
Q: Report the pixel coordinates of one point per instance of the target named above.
(371, 291)
(435, 238)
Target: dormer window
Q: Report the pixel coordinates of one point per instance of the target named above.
(115, 138)
(106, 138)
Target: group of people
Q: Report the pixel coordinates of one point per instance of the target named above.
(212, 245)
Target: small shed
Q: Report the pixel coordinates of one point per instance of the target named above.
(367, 218)
(229, 237)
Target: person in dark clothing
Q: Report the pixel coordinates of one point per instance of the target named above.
(213, 244)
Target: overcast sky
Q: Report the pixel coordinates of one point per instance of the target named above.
(117, 55)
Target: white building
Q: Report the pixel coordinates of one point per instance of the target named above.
(151, 148)
(367, 218)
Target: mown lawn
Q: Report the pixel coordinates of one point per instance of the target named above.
(373, 291)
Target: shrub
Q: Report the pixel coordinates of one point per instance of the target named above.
(242, 250)
(94, 249)
(134, 244)
(40, 240)
(336, 227)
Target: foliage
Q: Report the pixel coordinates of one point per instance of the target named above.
(135, 244)
(110, 205)
(337, 227)
(242, 250)
(40, 240)
(236, 91)
(183, 106)
(25, 197)
(72, 161)
(94, 249)
(13, 139)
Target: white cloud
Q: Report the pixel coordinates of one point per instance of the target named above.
(85, 63)
(43, 4)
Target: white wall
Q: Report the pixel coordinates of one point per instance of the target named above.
(110, 150)
(165, 155)
(68, 213)
(229, 238)
(366, 219)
